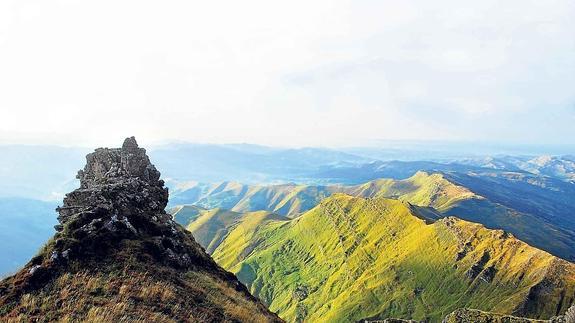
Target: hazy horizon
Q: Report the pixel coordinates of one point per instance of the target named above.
(417, 148)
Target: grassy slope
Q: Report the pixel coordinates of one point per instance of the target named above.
(451, 199)
(539, 205)
(185, 214)
(211, 227)
(135, 296)
(286, 199)
(290, 199)
(422, 189)
(352, 258)
(124, 281)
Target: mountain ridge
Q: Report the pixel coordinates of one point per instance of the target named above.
(368, 254)
(440, 191)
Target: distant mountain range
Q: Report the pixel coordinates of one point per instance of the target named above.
(562, 167)
(25, 225)
(46, 172)
(39, 172)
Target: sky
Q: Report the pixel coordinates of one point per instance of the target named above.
(287, 73)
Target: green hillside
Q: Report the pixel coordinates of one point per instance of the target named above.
(292, 199)
(285, 199)
(211, 227)
(353, 258)
(422, 189)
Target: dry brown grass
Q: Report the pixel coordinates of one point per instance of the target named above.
(159, 291)
(127, 296)
(236, 307)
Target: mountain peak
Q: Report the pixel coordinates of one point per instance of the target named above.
(109, 165)
(130, 143)
(120, 183)
(121, 196)
(112, 229)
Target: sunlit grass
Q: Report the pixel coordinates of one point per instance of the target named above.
(353, 258)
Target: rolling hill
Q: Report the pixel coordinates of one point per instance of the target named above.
(352, 258)
(538, 214)
(292, 199)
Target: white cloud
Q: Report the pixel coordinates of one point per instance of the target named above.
(288, 73)
(470, 107)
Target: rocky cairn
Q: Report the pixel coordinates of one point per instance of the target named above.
(121, 197)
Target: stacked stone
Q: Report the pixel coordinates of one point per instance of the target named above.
(121, 196)
(125, 170)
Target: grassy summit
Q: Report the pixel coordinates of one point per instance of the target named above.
(351, 258)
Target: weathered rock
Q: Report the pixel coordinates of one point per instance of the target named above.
(120, 197)
(109, 165)
(475, 316)
(477, 267)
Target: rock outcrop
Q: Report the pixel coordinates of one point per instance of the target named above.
(126, 170)
(121, 196)
(117, 256)
(475, 316)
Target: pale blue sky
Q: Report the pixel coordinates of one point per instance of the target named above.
(289, 73)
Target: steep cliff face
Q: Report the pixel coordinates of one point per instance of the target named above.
(117, 255)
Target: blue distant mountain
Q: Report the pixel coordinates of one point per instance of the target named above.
(25, 225)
